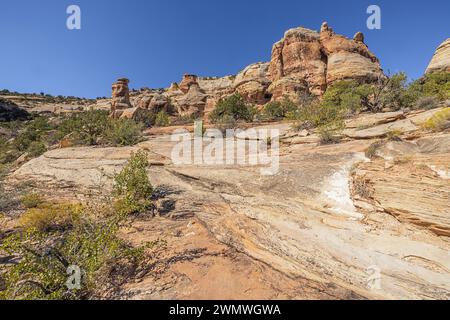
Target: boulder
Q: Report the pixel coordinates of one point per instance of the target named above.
(441, 58)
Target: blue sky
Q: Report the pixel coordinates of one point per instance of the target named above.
(153, 42)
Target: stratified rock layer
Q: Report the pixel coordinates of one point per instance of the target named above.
(308, 61)
(304, 61)
(441, 59)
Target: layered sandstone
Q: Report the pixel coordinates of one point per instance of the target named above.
(304, 61)
(441, 59)
(309, 61)
(120, 97)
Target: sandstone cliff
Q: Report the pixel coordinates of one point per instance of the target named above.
(441, 59)
(304, 61)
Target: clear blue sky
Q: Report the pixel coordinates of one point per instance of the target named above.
(153, 42)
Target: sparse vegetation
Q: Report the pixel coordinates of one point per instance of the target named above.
(55, 237)
(233, 106)
(86, 127)
(123, 132)
(279, 109)
(439, 122)
(162, 119)
(394, 135)
(132, 186)
(31, 200)
(362, 187)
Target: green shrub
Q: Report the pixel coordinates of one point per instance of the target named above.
(132, 185)
(279, 109)
(233, 106)
(123, 132)
(31, 200)
(87, 127)
(433, 85)
(162, 119)
(46, 217)
(36, 149)
(89, 242)
(347, 95)
(426, 103)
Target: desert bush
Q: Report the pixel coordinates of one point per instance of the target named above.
(362, 187)
(433, 85)
(347, 95)
(426, 103)
(90, 243)
(394, 135)
(279, 109)
(31, 200)
(36, 149)
(87, 127)
(123, 132)
(439, 122)
(233, 106)
(162, 119)
(132, 185)
(329, 133)
(47, 217)
(146, 118)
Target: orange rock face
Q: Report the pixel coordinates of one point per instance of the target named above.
(306, 60)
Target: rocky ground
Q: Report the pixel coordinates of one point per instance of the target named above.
(316, 230)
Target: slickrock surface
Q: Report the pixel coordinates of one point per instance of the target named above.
(320, 226)
(441, 58)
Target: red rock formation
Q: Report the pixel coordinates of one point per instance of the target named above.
(305, 60)
(120, 97)
(187, 82)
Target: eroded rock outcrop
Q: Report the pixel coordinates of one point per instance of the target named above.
(120, 97)
(252, 83)
(306, 60)
(441, 58)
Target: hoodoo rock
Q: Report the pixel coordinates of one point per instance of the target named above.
(441, 59)
(120, 97)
